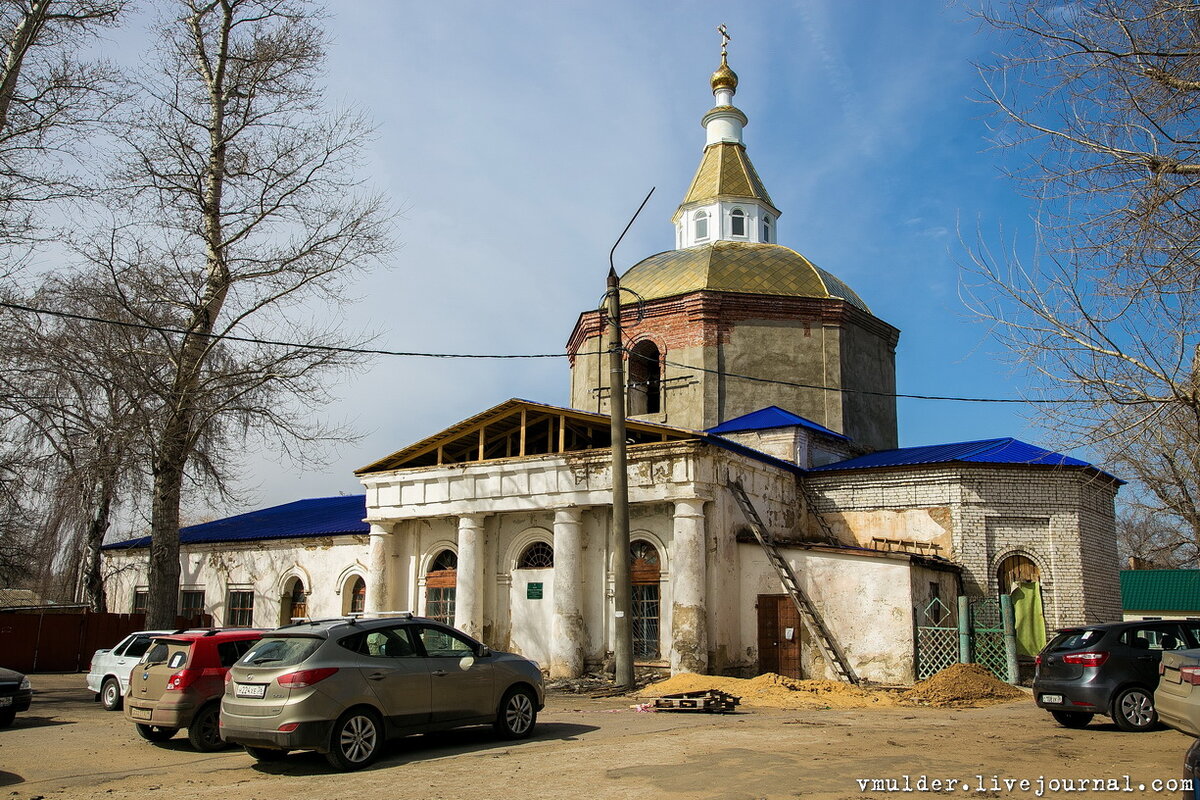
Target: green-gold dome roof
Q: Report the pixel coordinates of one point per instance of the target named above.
(743, 267)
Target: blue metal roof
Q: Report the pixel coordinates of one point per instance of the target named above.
(771, 417)
(317, 516)
(984, 451)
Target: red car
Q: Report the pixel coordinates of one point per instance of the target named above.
(179, 683)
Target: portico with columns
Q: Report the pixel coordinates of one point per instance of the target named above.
(489, 511)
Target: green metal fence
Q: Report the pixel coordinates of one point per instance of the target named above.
(977, 629)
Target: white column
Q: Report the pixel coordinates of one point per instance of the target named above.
(379, 564)
(689, 617)
(567, 633)
(468, 592)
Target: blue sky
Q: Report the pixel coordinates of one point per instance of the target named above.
(518, 138)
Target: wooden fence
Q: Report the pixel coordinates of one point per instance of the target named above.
(51, 641)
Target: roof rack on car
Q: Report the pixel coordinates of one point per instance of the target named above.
(385, 614)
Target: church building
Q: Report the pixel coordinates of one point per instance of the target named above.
(747, 366)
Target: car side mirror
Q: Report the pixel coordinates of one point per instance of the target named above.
(483, 652)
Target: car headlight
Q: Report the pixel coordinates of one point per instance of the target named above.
(25, 684)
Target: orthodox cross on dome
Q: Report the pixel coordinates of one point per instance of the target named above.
(725, 37)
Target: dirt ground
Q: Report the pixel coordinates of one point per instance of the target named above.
(67, 746)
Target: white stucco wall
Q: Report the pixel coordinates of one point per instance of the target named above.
(866, 601)
(326, 566)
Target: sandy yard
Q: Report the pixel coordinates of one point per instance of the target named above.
(68, 747)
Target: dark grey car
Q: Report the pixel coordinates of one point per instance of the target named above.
(342, 687)
(1108, 669)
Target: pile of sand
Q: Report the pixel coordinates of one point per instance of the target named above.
(962, 685)
(775, 691)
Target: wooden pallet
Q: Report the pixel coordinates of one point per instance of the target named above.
(709, 701)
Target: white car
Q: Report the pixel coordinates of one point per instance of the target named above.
(108, 676)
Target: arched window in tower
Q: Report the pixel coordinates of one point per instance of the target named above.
(766, 227)
(645, 371)
(701, 219)
(440, 581)
(644, 575)
(737, 223)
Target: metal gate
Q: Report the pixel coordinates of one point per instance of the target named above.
(975, 624)
(937, 638)
(987, 637)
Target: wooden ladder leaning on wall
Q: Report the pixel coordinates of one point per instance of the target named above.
(808, 612)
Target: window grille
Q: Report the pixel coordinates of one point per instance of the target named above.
(538, 555)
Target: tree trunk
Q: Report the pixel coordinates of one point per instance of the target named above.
(22, 39)
(93, 579)
(162, 602)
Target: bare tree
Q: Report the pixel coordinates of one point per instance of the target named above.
(1104, 99)
(75, 389)
(245, 219)
(48, 101)
(1147, 541)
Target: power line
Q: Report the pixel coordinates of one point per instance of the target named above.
(870, 392)
(512, 356)
(253, 340)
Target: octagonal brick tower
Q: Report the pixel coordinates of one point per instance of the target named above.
(731, 321)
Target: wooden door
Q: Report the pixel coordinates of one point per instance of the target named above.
(778, 635)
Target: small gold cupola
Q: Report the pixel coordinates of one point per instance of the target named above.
(726, 200)
(724, 77)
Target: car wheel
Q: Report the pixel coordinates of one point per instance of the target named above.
(110, 694)
(155, 733)
(1072, 719)
(7, 717)
(355, 740)
(1133, 710)
(265, 753)
(517, 714)
(205, 731)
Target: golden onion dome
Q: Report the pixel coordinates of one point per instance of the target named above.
(742, 267)
(724, 77)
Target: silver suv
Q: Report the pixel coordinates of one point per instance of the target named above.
(342, 687)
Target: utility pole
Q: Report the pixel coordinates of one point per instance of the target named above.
(623, 589)
(619, 537)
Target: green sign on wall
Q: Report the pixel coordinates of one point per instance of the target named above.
(533, 591)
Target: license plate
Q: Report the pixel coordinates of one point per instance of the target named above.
(250, 690)
(139, 713)
(1052, 698)
(5, 701)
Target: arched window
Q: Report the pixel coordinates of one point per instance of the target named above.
(358, 596)
(766, 227)
(701, 219)
(440, 582)
(737, 223)
(295, 603)
(645, 386)
(538, 555)
(644, 575)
